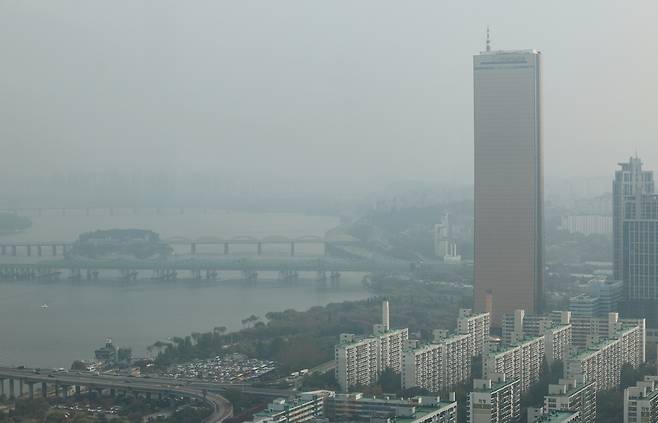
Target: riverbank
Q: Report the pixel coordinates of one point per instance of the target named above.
(304, 339)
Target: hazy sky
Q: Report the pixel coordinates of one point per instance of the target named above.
(361, 92)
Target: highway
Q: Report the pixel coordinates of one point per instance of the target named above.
(222, 408)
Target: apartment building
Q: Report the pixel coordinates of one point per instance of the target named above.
(360, 360)
(522, 361)
(573, 396)
(357, 361)
(641, 401)
(591, 331)
(305, 407)
(494, 401)
(477, 326)
(357, 407)
(557, 417)
(556, 330)
(602, 362)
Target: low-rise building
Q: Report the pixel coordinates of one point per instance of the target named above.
(570, 395)
(558, 417)
(641, 401)
(357, 407)
(494, 401)
(305, 407)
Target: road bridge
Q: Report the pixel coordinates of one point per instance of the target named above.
(63, 381)
(191, 267)
(61, 248)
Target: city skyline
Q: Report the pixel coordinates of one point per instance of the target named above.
(189, 86)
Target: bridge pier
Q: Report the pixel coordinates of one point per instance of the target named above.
(20, 388)
(63, 249)
(44, 389)
(193, 248)
(4, 250)
(260, 248)
(112, 393)
(292, 249)
(226, 250)
(13, 250)
(11, 389)
(39, 250)
(54, 247)
(2, 387)
(77, 390)
(29, 250)
(30, 386)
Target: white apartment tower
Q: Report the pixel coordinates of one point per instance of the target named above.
(494, 401)
(360, 360)
(476, 326)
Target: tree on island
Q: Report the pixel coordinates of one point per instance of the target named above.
(249, 321)
(10, 222)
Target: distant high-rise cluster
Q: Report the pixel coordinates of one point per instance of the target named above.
(445, 245)
(635, 239)
(508, 182)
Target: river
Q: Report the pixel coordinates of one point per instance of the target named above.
(81, 314)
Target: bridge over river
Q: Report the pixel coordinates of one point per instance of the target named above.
(53, 248)
(193, 267)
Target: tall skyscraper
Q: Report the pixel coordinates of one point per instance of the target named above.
(508, 181)
(630, 185)
(635, 243)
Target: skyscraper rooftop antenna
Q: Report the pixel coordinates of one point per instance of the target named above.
(488, 40)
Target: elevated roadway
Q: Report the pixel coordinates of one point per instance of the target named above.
(221, 407)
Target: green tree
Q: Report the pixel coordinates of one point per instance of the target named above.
(390, 381)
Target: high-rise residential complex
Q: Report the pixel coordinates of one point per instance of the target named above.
(571, 395)
(556, 331)
(635, 240)
(522, 361)
(477, 326)
(446, 362)
(494, 401)
(508, 181)
(360, 360)
(602, 362)
(590, 331)
(641, 401)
